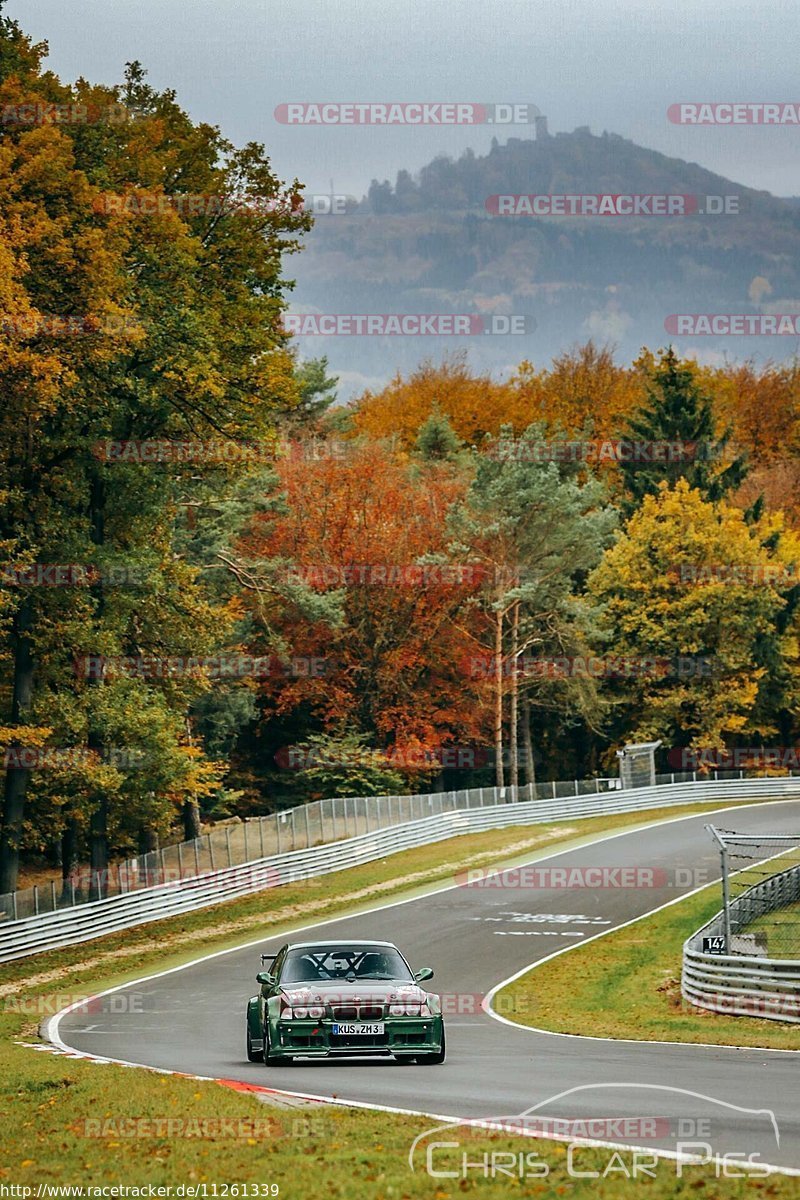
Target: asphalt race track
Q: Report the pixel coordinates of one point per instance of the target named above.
(192, 1019)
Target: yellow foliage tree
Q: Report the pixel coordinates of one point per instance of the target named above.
(694, 587)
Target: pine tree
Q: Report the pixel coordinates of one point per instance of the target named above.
(437, 439)
(679, 419)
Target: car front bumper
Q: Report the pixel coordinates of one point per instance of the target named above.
(402, 1036)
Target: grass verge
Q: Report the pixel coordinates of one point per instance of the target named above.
(68, 1122)
(626, 984)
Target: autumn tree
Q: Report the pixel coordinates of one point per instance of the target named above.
(694, 593)
(365, 531)
(180, 315)
(534, 528)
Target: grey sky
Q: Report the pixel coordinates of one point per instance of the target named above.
(609, 64)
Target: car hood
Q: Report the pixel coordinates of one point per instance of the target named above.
(368, 991)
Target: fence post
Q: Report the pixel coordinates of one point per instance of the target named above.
(228, 843)
(333, 817)
(308, 827)
(163, 867)
(261, 834)
(278, 819)
(211, 852)
(294, 836)
(246, 855)
(554, 790)
(180, 859)
(53, 893)
(196, 856)
(35, 900)
(577, 793)
(14, 901)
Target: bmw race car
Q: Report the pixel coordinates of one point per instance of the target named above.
(330, 999)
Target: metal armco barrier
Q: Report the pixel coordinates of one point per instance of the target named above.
(745, 985)
(65, 927)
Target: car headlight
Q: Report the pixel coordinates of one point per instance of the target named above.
(299, 1010)
(410, 1009)
(316, 1011)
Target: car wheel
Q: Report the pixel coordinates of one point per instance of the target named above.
(252, 1055)
(433, 1060)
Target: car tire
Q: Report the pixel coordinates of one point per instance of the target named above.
(433, 1060)
(252, 1055)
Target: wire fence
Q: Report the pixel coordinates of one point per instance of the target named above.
(760, 893)
(314, 824)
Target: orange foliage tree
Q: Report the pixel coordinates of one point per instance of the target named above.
(364, 526)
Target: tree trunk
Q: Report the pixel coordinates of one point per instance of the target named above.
(99, 819)
(16, 783)
(191, 820)
(513, 733)
(527, 740)
(499, 775)
(99, 848)
(148, 840)
(69, 857)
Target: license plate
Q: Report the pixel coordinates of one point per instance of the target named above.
(351, 1029)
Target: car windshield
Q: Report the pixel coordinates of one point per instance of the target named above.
(318, 964)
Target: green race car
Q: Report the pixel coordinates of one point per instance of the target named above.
(343, 998)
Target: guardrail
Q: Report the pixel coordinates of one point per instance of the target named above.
(84, 922)
(299, 828)
(740, 984)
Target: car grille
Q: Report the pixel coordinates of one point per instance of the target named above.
(357, 1012)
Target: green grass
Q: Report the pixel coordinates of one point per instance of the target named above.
(626, 984)
(308, 1150)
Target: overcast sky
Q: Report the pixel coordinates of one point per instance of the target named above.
(609, 64)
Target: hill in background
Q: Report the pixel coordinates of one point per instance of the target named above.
(428, 244)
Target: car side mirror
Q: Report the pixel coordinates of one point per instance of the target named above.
(423, 974)
(265, 978)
